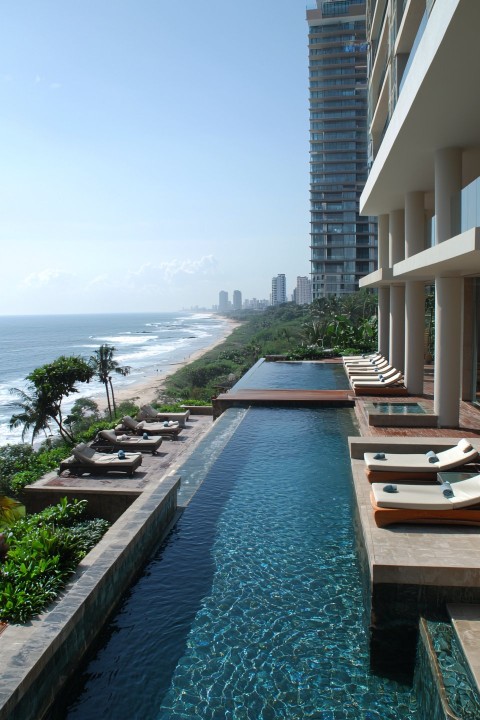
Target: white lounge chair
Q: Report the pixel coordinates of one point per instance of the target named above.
(371, 370)
(384, 373)
(398, 466)
(368, 356)
(365, 363)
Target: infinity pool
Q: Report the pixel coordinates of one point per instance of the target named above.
(252, 607)
(294, 375)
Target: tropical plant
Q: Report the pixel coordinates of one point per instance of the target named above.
(39, 554)
(48, 386)
(32, 415)
(103, 365)
(10, 511)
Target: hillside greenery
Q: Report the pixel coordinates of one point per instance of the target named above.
(329, 327)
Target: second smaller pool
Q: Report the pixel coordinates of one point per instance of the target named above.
(395, 408)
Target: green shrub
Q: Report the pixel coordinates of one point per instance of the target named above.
(126, 407)
(20, 465)
(43, 550)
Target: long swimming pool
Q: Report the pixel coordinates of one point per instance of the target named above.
(252, 607)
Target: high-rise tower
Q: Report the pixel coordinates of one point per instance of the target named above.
(343, 244)
(279, 289)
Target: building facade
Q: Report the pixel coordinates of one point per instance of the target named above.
(424, 187)
(223, 301)
(237, 300)
(303, 291)
(279, 290)
(343, 244)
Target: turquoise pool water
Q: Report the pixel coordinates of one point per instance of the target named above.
(252, 608)
(397, 408)
(294, 375)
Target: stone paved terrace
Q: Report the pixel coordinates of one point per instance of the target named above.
(109, 495)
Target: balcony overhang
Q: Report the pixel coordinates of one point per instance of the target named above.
(379, 278)
(457, 257)
(438, 107)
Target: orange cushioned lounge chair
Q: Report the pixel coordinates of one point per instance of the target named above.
(456, 504)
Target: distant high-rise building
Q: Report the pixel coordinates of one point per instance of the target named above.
(279, 289)
(237, 300)
(223, 303)
(255, 304)
(343, 244)
(303, 291)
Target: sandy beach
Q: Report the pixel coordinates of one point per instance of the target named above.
(148, 388)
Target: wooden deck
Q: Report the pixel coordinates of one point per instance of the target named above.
(288, 398)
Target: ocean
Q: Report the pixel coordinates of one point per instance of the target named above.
(150, 343)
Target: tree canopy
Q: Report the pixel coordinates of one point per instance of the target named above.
(48, 386)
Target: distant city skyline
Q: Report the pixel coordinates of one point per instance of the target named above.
(143, 173)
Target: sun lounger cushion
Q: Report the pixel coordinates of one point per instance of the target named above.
(88, 456)
(134, 441)
(463, 494)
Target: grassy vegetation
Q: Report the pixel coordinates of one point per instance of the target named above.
(275, 331)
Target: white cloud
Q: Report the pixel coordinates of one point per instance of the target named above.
(55, 86)
(98, 281)
(173, 270)
(46, 277)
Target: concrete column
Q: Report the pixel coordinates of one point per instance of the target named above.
(414, 336)
(382, 232)
(414, 296)
(414, 223)
(384, 321)
(448, 350)
(396, 236)
(448, 181)
(397, 327)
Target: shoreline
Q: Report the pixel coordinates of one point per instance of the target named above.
(146, 390)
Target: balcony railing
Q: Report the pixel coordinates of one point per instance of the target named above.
(413, 51)
(465, 208)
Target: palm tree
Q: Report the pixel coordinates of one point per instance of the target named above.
(103, 366)
(33, 414)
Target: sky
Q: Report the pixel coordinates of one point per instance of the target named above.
(152, 153)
